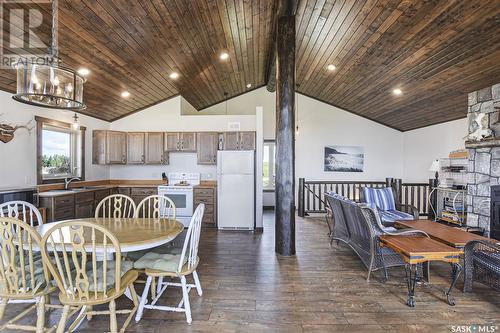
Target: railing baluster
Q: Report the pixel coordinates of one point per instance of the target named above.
(418, 199)
(314, 198)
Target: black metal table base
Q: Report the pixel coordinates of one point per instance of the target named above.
(413, 276)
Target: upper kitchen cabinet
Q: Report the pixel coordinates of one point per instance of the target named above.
(239, 140)
(247, 140)
(155, 154)
(109, 147)
(183, 141)
(135, 148)
(207, 144)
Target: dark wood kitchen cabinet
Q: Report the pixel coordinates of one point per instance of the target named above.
(239, 140)
(109, 147)
(84, 204)
(61, 207)
(208, 196)
(155, 153)
(139, 193)
(180, 141)
(207, 146)
(135, 148)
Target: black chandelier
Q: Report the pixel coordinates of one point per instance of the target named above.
(46, 83)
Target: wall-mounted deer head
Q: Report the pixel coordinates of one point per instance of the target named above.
(7, 130)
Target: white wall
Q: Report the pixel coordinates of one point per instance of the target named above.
(321, 124)
(166, 116)
(18, 165)
(424, 145)
(245, 105)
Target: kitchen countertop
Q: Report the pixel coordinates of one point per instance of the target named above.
(55, 193)
(207, 184)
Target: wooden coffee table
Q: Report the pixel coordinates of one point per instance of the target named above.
(418, 250)
(442, 233)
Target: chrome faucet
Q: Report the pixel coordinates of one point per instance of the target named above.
(68, 181)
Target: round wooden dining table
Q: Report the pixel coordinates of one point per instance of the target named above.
(134, 234)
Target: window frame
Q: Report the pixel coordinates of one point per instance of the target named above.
(272, 162)
(42, 122)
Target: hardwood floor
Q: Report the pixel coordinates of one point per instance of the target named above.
(247, 288)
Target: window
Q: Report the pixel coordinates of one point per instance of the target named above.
(60, 151)
(269, 168)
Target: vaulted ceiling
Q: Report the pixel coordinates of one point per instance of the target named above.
(435, 51)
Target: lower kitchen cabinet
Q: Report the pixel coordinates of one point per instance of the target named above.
(61, 207)
(139, 193)
(84, 204)
(208, 196)
(84, 210)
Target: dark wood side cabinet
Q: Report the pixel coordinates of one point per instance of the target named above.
(207, 194)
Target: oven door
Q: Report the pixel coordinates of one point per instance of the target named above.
(183, 201)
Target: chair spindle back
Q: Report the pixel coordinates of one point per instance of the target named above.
(190, 248)
(20, 274)
(77, 254)
(156, 206)
(29, 213)
(116, 206)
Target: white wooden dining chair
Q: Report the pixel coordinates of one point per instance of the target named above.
(116, 206)
(78, 253)
(21, 210)
(156, 206)
(174, 266)
(153, 206)
(23, 277)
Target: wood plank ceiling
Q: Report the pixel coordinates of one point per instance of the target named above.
(435, 51)
(135, 45)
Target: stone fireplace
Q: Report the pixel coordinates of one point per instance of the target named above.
(484, 157)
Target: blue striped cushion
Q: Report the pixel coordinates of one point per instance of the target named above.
(391, 216)
(383, 198)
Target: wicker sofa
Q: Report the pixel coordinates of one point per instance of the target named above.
(482, 264)
(359, 226)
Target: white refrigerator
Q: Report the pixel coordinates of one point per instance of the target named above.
(235, 190)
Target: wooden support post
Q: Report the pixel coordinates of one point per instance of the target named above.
(285, 137)
(301, 197)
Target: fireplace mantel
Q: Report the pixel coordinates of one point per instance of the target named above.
(485, 143)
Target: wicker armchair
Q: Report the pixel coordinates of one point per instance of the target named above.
(482, 264)
(359, 226)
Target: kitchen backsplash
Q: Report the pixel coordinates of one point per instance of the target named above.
(179, 162)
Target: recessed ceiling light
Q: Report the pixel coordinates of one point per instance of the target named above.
(249, 85)
(397, 92)
(224, 56)
(125, 94)
(331, 67)
(83, 71)
(174, 75)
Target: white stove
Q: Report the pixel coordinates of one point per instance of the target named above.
(180, 191)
